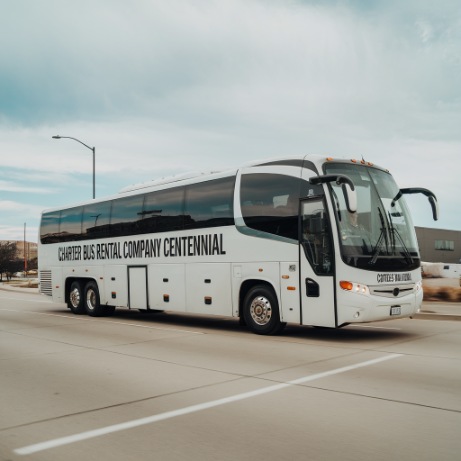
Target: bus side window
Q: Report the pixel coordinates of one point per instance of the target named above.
(164, 210)
(49, 227)
(269, 203)
(70, 227)
(95, 220)
(126, 212)
(316, 237)
(210, 203)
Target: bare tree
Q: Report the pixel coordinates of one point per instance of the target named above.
(8, 252)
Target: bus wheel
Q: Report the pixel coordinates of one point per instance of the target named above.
(75, 301)
(261, 311)
(92, 305)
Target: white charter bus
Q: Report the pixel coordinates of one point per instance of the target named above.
(307, 240)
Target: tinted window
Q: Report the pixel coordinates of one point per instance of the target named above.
(210, 203)
(316, 236)
(49, 228)
(71, 224)
(270, 202)
(125, 214)
(163, 210)
(95, 221)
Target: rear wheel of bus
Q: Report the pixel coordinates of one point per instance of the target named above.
(261, 311)
(75, 300)
(92, 304)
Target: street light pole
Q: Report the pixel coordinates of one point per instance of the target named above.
(25, 254)
(94, 158)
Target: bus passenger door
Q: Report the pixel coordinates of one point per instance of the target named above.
(317, 265)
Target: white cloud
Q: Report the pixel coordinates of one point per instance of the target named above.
(8, 186)
(9, 205)
(425, 29)
(228, 63)
(17, 232)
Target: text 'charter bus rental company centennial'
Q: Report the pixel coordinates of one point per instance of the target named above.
(306, 240)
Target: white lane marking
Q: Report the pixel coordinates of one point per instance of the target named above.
(191, 409)
(89, 319)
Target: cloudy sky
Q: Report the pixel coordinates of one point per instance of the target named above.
(164, 87)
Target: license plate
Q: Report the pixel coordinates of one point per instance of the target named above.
(396, 310)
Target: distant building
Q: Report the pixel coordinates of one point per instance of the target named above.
(439, 245)
(30, 249)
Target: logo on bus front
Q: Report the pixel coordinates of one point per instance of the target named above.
(394, 278)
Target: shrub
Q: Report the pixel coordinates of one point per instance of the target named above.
(442, 294)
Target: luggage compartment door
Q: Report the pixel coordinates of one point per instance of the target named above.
(137, 287)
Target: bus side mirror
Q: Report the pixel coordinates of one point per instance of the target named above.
(347, 186)
(350, 196)
(419, 190)
(434, 206)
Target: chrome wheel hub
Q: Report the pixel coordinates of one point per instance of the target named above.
(261, 310)
(91, 299)
(75, 297)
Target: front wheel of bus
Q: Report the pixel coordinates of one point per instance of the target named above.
(92, 305)
(261, 311)
(75, 301)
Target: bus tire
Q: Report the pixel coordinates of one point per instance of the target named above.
(91, 300)
(75, 300)
(261, 311)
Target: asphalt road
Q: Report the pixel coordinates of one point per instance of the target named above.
(171, 387)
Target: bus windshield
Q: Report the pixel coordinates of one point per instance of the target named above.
(380, 236)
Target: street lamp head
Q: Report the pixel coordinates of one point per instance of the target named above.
(94, 157)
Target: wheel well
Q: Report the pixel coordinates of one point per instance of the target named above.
(83, 281)
(246, 286)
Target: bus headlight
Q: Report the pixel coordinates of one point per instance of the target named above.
(418, 286)
(354, 287)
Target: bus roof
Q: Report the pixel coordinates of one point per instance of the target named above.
(191, 177)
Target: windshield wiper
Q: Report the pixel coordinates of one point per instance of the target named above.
(379, 243)
(395, 233)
